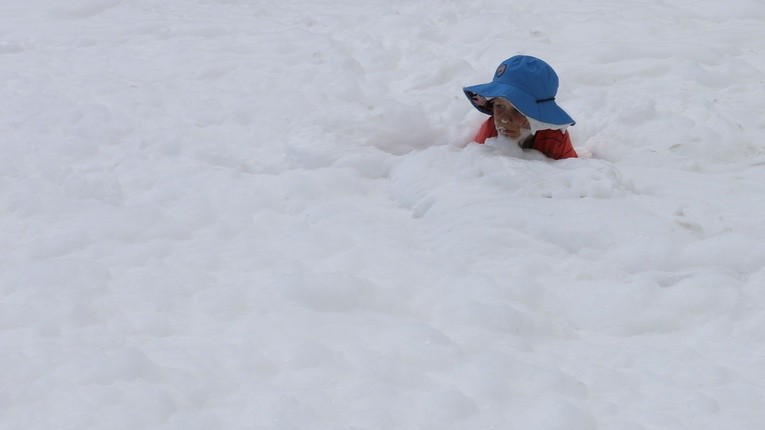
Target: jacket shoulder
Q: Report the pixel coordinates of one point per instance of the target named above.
(554, 144)
(486, 131)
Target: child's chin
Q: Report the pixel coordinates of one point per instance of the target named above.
(507, 133)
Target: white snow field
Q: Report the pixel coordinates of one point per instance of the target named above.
(244, 214)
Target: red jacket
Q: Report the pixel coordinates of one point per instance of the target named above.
(553, 143)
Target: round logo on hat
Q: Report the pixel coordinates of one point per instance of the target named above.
(501, 70)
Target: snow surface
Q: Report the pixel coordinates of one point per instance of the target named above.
(240, 214)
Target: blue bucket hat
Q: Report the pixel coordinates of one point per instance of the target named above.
(529, 84)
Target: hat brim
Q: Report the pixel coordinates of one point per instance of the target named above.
(546, 111)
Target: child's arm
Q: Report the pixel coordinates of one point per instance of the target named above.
(554, 144)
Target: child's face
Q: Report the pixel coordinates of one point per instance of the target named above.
(507, 119)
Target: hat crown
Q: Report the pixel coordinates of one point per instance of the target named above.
(529, 84)
(529, 74)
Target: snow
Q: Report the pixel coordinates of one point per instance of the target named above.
(234, 214)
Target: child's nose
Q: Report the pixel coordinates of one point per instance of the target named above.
(506, 119)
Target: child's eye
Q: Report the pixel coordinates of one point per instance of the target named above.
(499, 107)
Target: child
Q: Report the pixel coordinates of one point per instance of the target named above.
(521, 102)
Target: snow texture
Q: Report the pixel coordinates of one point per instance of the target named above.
(238, 214)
